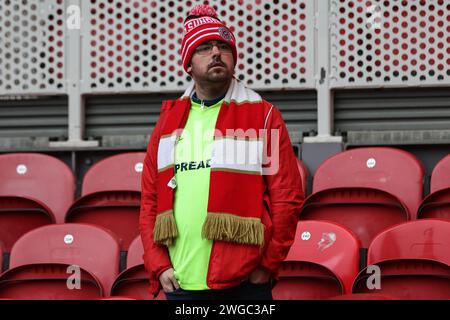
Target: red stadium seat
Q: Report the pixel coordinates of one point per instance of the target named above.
(38, 177)
(392, 170)
(133, 282)
(414, 261)
(117, 211)
(111, 196)
(303, 173)
(116, 173)
(437, 203)
(440, 177)
(365, 211)
(35, 190)
(18, 215)
(92, 248)
(47, 282)
(322, 263)
(366, 190)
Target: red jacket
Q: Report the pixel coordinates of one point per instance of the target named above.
(271, 202)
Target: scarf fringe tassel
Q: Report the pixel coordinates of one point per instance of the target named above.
(165, 230)
(227, 227)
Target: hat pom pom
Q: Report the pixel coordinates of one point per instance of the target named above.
(203, 10)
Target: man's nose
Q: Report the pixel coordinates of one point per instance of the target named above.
(215, 50)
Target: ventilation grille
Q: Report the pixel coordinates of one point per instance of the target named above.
(34, 117)
(119, 117)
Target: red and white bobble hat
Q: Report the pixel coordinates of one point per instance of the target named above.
(201, 25)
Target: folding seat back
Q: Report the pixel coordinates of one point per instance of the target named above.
(134, 281)
(92, 248)
(39, 177)
(365, 211)
(111, 196)
(367, 190)
(18, 215)
(135, 253)
(115, 173)
(427, 239)
(437, 203)
(392, 170)
(35, 190)
(48, 282)
(303, 174)
(322, 262)
(414, 261)
(440, 177)
(117, 211)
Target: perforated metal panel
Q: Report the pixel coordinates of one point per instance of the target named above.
(134, 45)
(32, 35)
(390, 42)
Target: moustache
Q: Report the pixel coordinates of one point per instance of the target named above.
(216, 64)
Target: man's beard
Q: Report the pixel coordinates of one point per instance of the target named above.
(216, 76)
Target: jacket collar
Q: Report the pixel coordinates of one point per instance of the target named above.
(237, 92)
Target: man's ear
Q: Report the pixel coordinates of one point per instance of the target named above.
(189, 68)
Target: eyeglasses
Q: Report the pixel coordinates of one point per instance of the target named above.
(206, 48)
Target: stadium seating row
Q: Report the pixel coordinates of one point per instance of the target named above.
(408, 261)
(80, 261)
(38, 190)
(366, 191)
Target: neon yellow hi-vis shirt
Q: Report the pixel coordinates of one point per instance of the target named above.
(190, 252)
